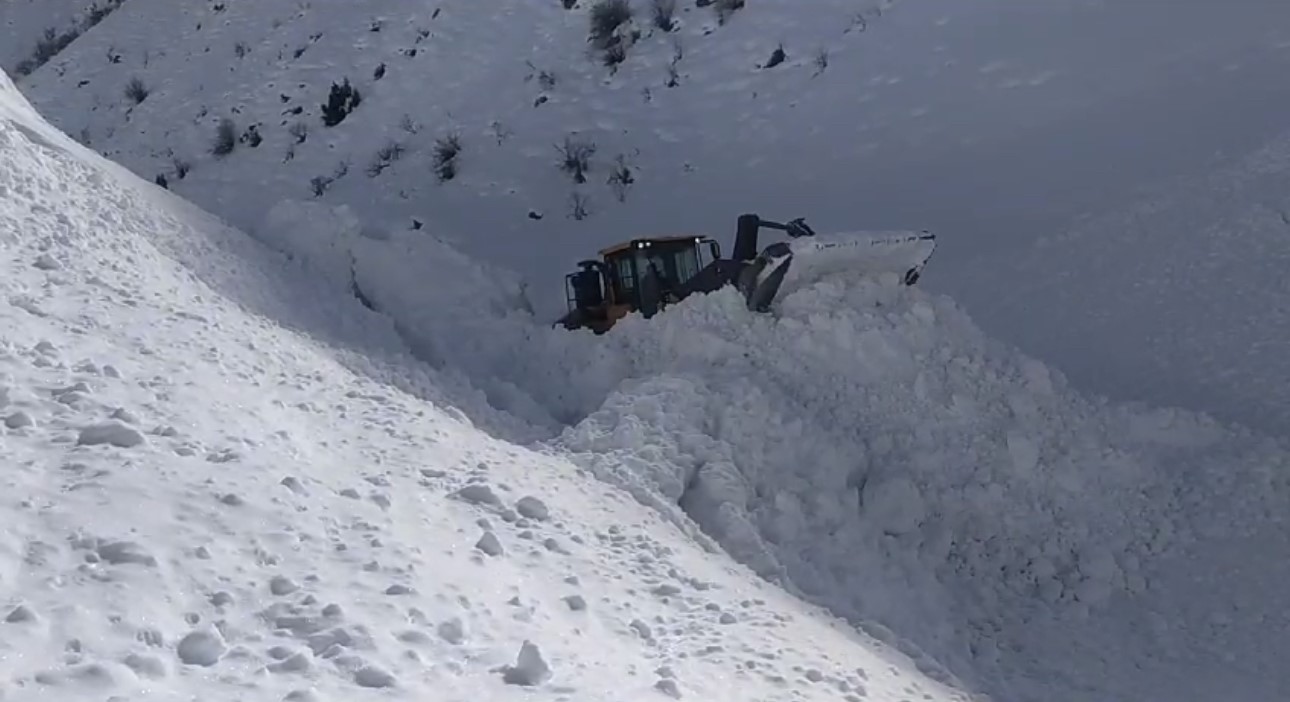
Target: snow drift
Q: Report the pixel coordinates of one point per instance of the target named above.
(214, 487)
(868, 447)
(871, 449)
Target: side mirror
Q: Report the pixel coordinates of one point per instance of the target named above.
(715, 249)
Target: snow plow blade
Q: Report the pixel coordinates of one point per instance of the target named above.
(789, 265)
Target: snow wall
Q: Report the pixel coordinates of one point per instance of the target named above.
(866, 446)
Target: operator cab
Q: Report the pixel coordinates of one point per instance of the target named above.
(638, 275)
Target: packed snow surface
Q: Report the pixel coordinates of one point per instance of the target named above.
(226, 480)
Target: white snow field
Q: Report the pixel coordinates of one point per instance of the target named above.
(865, 447)
(1092, 168)
(871, 450)
(213, 490)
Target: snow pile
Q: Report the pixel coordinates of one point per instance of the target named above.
(456, 314)
(210, 490)
(867, 446)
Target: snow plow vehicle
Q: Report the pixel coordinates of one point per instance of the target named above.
(646, 275)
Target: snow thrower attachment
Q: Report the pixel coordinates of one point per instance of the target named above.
(646, 275)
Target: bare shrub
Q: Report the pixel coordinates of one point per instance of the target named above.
(385, 157)
(663, 14)
(726, 8)
(579, 206)
(225, 137)
(575, 157)
(136, 91)
(606, 17)
(621, 178)
(446, 150)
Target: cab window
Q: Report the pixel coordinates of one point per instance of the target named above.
(676, 265)
(625, 276)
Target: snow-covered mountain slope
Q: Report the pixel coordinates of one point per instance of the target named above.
(212, 490)
(34, 31)
(866, 447)
(1003, 125)
(869, 448)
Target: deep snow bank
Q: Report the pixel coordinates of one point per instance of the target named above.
(204, 495)
(869, 447)
(458, 315)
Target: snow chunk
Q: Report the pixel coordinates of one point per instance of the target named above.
(110, 433)
(18, 420)
(372, 676)
(529, 668)
(452, 630)
(203, 648)
(489, 544)
(477, 493)
(125, 552)
(668, 687)
(532, 508)
(641, 628)
(146, 665)
(20, 614)
(124, 415)
(293, 663)
(282, 585)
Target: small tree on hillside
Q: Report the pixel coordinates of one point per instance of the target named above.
(136, 91)
(663, 12)
(609, 19)
(225, 137)
(446, 150)
(342, 100)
